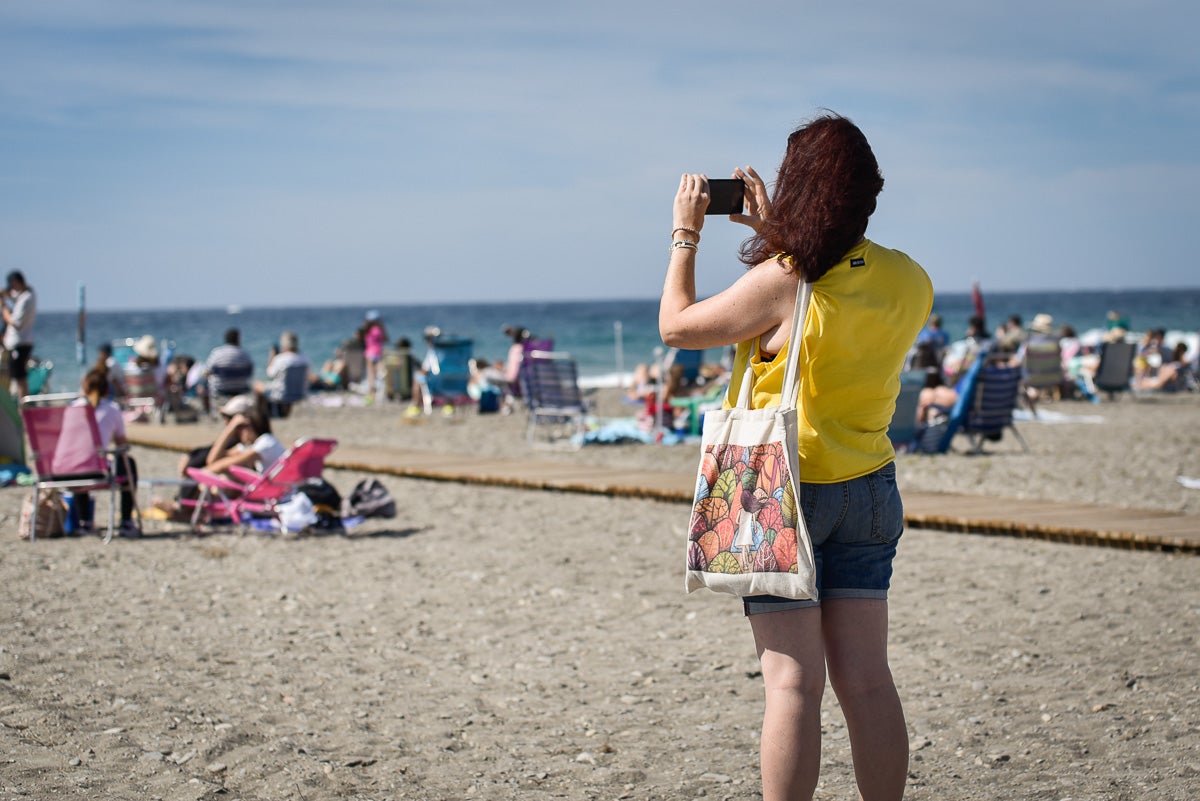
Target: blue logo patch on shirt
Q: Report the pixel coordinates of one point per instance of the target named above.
(858, 262)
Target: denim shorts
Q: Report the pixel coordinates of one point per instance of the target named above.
(854, 526)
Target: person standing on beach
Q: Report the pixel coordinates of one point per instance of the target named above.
(19, 310)
(868, 304)
(374, 337)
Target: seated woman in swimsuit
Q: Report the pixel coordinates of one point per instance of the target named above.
(936, 398)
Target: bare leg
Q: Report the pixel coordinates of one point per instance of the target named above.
(856, 652)
(793, 667)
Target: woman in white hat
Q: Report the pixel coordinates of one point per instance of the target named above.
(247, 439)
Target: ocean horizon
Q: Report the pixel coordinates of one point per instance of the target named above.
(606, 337)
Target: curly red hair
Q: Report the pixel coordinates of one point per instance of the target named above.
(823, 196)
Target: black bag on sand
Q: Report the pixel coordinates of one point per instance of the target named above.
(321, 493)
(369, 499)
(326, 501)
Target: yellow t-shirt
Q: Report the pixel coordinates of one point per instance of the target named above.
(864, 316)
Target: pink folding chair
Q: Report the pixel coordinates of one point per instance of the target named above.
(248, 493)
(68, 454)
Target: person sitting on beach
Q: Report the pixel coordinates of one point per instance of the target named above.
(674, 387)
(285, 361)
(1011, 335)
(228, 368)
(1152, 353)
(961, 355)
(110, 421)
(246, 439)
(422, 401)
(936, 398)
(107, 363)
(399, 367)
(1171, 376)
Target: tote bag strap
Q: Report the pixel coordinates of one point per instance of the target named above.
(743, 398)
(791, 372)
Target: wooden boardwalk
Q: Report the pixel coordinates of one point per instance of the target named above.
(1083, 524)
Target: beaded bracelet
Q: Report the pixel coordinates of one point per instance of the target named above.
(683, 243)
(691, 231)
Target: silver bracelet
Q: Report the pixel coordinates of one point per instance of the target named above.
(682, 243)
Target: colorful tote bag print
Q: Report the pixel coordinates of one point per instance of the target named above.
(747, 534)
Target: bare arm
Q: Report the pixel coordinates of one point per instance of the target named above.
(759, 302)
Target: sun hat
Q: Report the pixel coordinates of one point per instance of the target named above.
(146, 347)
(432, 332)
(372, 315)
(238, 404)
(1042, 324)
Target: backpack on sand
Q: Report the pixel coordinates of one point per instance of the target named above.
(369, 499)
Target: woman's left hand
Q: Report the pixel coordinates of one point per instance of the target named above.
(758, 202)
(691, 201)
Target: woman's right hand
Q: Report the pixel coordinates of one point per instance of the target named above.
(758, 202)
(691, 201)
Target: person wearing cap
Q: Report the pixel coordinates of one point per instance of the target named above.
(19, 310)
(374, 337)
(246, 439)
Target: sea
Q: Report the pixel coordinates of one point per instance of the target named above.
(607, 338)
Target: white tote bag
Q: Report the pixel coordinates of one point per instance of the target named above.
(747, 534)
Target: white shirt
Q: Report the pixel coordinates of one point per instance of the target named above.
(109, 420)
(269, 450)
(23, 312)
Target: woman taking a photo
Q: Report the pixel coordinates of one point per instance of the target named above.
(868, 305)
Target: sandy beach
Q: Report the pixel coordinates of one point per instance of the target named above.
(500, 643)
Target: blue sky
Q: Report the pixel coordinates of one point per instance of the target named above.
(266, 153)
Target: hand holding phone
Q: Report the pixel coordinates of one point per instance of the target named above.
(725, 195)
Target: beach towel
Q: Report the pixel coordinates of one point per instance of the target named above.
(746, 533)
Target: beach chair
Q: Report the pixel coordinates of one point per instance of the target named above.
(1043, 372)
(696, 405)
(903, 428)
(447, 383)
(399, 366)
(64, 442)
(519, 389)
(1115, 370)
(37, 376)
(689, 360)
(292, 389)
(250, 494)
(556, 406)
(143, 394)
(990, 410)
(354, 361)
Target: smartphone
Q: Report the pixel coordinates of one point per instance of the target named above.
(725, 195)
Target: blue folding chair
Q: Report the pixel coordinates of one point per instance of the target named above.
(991, 408)
(903, 428)
(450, 370)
